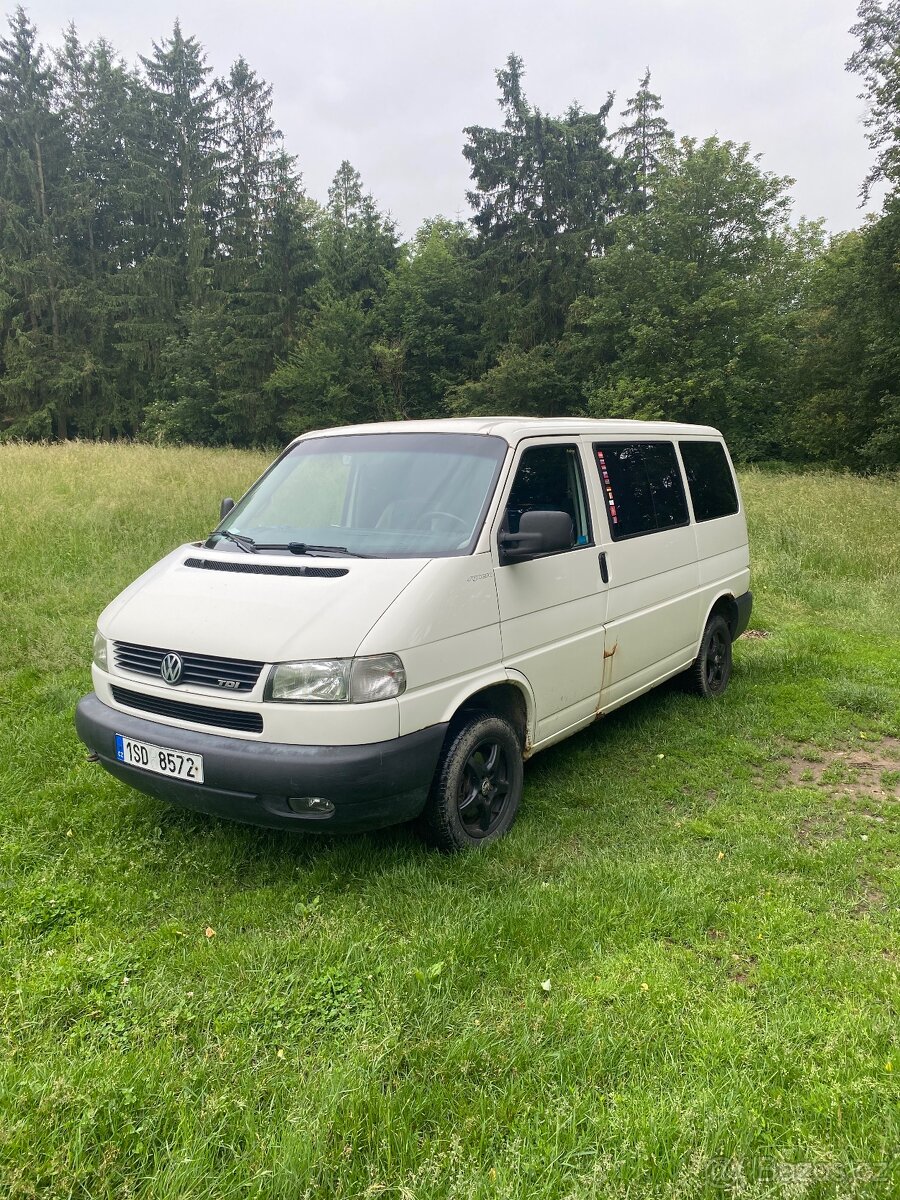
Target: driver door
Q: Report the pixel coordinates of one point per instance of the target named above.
(553, 607)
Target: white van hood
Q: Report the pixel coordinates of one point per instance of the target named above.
(269, 618)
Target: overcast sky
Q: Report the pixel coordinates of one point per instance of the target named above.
(390, 84)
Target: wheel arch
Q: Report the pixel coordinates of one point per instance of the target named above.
(725, 605)
(509, 698)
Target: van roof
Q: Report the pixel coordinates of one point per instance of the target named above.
(514, 429)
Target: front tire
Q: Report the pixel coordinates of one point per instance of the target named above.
(711, 670)
(477, 787)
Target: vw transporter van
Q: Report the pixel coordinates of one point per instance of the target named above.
(396, 616)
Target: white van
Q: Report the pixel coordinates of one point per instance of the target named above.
(396, 616)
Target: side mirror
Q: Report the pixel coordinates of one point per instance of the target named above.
(540, 532)
(225, 508)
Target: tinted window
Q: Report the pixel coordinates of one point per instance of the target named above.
(710, 480)
(641, 486)
(666, 488)
(550, 478)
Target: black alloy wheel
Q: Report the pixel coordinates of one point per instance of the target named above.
(477, 787)
(483, 788)
(717, 660)
(711, 670)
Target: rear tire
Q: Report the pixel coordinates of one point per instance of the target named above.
(477, 787)
(709, 675)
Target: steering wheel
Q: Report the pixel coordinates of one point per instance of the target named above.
(425, 521)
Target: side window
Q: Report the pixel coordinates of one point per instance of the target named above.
(642, 487)
(666, 488)
(710, 480)
(550, 478)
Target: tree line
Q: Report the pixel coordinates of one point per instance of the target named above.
(164, 275)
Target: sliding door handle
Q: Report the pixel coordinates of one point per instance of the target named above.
(604, 569)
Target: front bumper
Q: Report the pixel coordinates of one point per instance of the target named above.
(382, 783)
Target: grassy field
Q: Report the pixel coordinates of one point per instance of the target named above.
(678, 976)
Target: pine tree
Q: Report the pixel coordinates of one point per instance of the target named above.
(333, 372)
(359, 245)
(186, 144)
(96, 103)
(171, 290)
(545, 190)
(644, 137)
(263, 262)
(40, 370)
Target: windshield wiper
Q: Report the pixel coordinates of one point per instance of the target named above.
(309, 548)
(249, 546)
(246, 544)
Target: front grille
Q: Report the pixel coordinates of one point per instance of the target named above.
(197, 714)
(203, 670)
(252, 568)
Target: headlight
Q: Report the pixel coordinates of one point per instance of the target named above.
(101, 651)
(330, 680)
(324, 679)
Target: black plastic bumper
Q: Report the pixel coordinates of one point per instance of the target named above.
(373, 785)
(744, 607)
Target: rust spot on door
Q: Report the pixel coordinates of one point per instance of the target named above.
(606, 677)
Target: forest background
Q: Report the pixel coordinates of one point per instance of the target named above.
(164, 276)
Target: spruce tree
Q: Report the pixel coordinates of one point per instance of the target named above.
(97, 104)
(172, 289)
(333, 373)
(40, 370)
(544, 191)
(359, 245)
(232, 339)
(644, 137)
(185, 126)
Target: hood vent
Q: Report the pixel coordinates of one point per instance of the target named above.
(252, 568)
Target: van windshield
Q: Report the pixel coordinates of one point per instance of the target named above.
(385, 495)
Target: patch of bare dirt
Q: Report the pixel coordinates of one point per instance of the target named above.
(859, 781)
(819, 829)
(755, 635)
(743, 969)
(871, 899)
(867, 772)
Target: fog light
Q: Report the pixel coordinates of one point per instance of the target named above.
(311, 806)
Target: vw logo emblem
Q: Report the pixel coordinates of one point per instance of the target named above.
(171, 668)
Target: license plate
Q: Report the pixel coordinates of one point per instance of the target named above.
(159, 759)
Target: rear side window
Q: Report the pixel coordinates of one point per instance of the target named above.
(710, 480)
(642, 487)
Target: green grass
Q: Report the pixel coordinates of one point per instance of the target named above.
(711, 891)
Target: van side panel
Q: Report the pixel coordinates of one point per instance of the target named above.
(445, 626)
(723, 550)
(724, 559)
(553, 634)
(654, 609)
(552, 612)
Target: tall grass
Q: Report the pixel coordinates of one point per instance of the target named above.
(677, 976)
